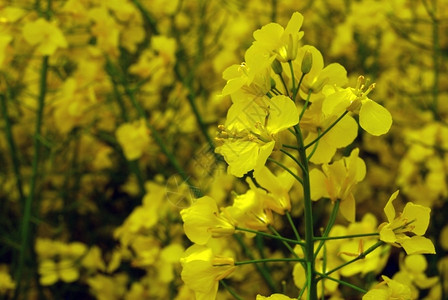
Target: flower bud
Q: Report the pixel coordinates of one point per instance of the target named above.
(277, 67)
(307, 62)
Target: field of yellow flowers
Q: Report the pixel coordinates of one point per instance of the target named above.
(223, 149)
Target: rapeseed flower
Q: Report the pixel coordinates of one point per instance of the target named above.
(279, 41)
(251, 131)
(373, 118)
(45, 35)
(337, 181)
(203, 221)
(389, 289)
(202, 270)
(406, 229)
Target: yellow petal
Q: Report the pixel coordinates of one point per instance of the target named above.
(343, 133)
(318, 185)
(374, 118)
(283, 114)
(419, 216)
(348, 208)
(387, 235)
(418, 245)
(389, 209)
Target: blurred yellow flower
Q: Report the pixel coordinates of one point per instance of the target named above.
(388, 290)
(47, 36)
(133, 138)
(274, 297)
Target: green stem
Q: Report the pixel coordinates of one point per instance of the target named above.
(308, 211)
(230, 290)
(435, 57)
(292, 157)
(302, 291)
(12, 145)
(280, 238)
(289, 146)
(284, 243)
(263, 260)
(357, 288)
(284, 84)
(305, 105)
(293, 78)
(263, 272)
(286, 169)
(25, 227)
(294, 229)
(315, 147)
(360, 256)
(326, 130)
(330, 224)
(343, 237)
(147, 17)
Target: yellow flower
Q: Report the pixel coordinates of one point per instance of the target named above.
(414, 220)
(51, 271)
(251, 129)
(373, 118)
(277, 198)
(6, 282)
(318, 76)
(412, 274)
(202, 270)
(341, 135)
(134, 138)
(350, 248)
(202, 221)
(337, 182)
(47, 36)
(388, 290)
(274, 297)
(251, 77)
(284, 42)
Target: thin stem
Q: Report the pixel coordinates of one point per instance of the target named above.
(326, 130)
(305, 106)
(280, 238)
(435, 58)
(357, 288)
(293, 78)
(12, 145)
(330, 224)
(26, 224)
(360, 256)
(264, 260)
(284, 243)
(284, 84)
(147, 17)
(343, 237)
(290, 146)
(230, 290)
(302, 291)
(263, 272)
(286, 169)
(292, 157)
(294, 229)
(314, 148)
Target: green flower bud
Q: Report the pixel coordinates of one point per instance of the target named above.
(307, 62)
(277, 67)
